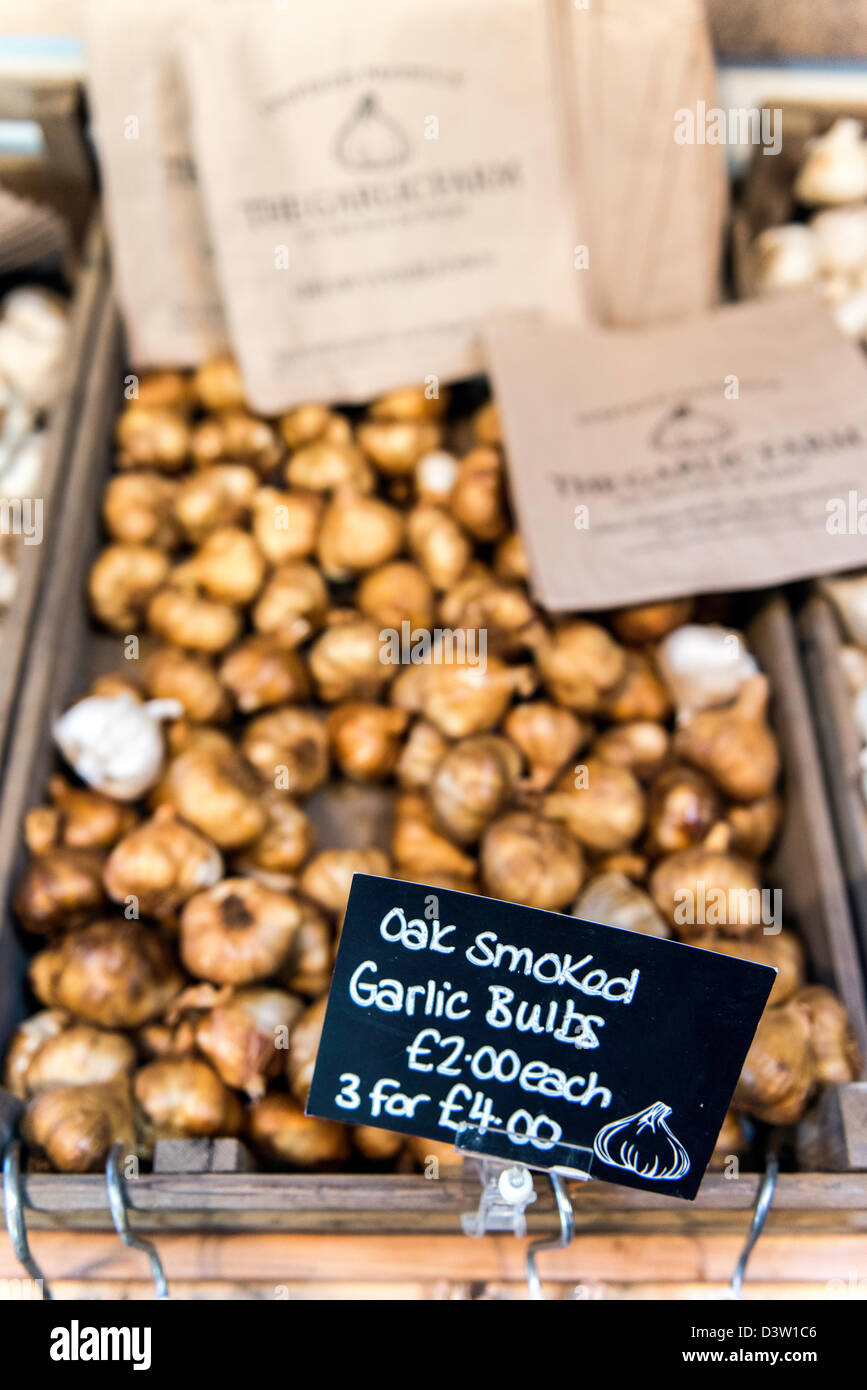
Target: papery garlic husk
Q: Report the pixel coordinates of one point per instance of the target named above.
(27, 1041)
(503, 611)
(113, 972)
(218, 793)
(307, 968)
(157, 1040)
(214, 497)
(238, 932)
(292, 605)
(303, 1047)
(722, 888)
(734, 746)
(755, 825)
(280, 1131)
(358, 533)
(88, 819)
(641, 746)
(327, 879)
(548, 736)
(704, 665)
(76, 1126)
(396, 446)
(182, 1097)
(410, 403)
(122, 582)
(784, 258)
(377, 1145)
(611, 898)
(835, 167)
(639, 694)
(603, 805)
(186, 619)
(59, 889)
(472, 784)
(461, 699)
(511, 563)
(477, 499)
(438, 544)
(527, 859)
(260, 672)
(286, 524)
(327, 465)
(366, 739)
(229, 565)
(578, 663)
(304, 424)
(832, 1037)
(435, 476)
(289, 748)
(778, 1074)
(780, 950)
(731, 1142)
(236, 436)
(682, 807)
(395, 593)
(115, 743)
(161, 863)
(423, 748)
(285, 842)
(644, 1144)
(137, 509)
(849, 597)
(840, 237)
(429, 1152)
(346, 662)
(418, 845)
(165, 389)
(80, 1055)
(173, 674)
(218, 384)
(245, 1038)
(150, 437)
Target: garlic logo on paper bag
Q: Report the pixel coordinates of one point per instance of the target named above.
(684, 427)
(370, 138)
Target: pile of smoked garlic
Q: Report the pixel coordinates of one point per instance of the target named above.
(189, 917)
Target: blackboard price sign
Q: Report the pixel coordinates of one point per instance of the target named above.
(558, 1042)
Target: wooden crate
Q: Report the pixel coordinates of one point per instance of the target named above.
(32, 561)
(66, 652)
(840, 744)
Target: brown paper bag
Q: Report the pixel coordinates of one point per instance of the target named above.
(162, 257)
(377, 183)
(652, 211)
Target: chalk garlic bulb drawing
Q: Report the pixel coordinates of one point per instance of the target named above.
(643, 1144)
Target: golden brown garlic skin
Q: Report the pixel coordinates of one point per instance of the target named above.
(238, 932)
(245, 1038)
(527, 859)
(113, 972)
(289, 747)
(602, 805)
(217, 792)
(75, 1126)
(182, 1097)
(365, 739)
(59, 889)
(682, 808)
(161, 863)
(279, 1130)
(472, 784)
(123, 581)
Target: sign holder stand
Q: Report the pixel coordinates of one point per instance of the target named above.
(508, 1189)
(764, 1198)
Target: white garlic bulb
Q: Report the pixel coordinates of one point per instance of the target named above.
(115, 743)
(850, 315)
(785, 258)
(849, 597)
(435, 475)
(616, 901)
(835, 170)
(643, 1144)
(840, 238)
(21, 472)
(704, 665)
(32, 344)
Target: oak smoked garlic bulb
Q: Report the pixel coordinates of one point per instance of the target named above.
(114, 973)
(238, 932)
(76, 1126)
